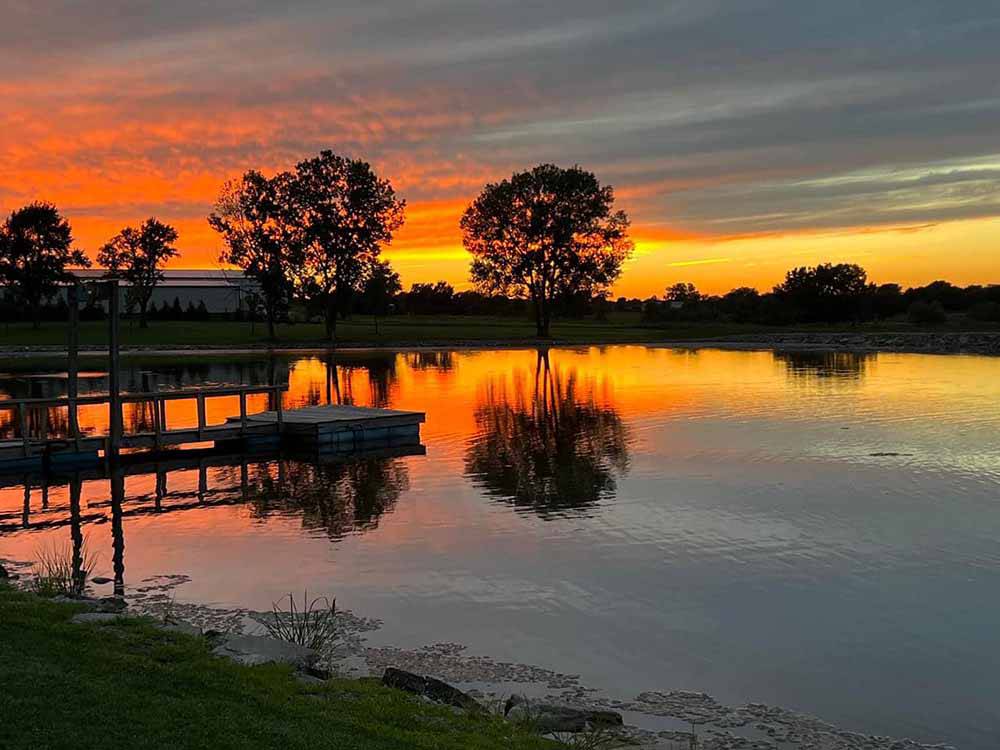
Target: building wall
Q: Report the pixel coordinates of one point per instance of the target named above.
(217, 299)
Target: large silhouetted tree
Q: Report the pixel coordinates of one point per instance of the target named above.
(255, 217)
(137, 255)
(36, 251)
(825, 292)
(347, 213)
(547, 234)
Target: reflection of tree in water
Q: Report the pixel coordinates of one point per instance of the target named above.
(553, 450)
(431, 360)
(840, 365)
(336, 497)
(381, 371)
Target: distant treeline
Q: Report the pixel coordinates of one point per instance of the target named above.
(822, 294)
(826, 293)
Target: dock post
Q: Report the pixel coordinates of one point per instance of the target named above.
(22, 420)
(73, 347)
(114, 372)
(118, 529)
(201, 416)
(76, 534)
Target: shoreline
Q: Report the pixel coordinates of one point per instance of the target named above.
(970, 343)
(658, 719)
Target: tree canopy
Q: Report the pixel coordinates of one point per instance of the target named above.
(825, 292)
(36, 251)
(137, 255)
(381, 285)
(347, 213)
(546, 234)
(254, 216)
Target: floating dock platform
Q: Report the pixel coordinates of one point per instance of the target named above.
(340, 427)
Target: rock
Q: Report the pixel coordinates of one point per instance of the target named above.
(252, 650)
(111, 604)
(94, 617)
(4, 575)
(428, 687)
(178, 627)
(546, 718)
(308, 679)
(106, 604)
(101, 580)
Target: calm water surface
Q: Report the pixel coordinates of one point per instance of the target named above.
(817, 531)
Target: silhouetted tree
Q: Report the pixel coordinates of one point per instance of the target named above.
(741, 304)
(381, 286)
(682, 295)
(827, 292)
(435, 299)
(922, 313)
(137, 257)
(35, 255)
(887, 300)
(347, 213)
(254, 215)
(546, 234)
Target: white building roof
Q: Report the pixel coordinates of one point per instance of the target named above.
(181, 276)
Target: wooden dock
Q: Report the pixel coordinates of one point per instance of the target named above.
(315, 428)
(342, 427)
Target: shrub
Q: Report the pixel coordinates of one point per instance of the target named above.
(986, 311)
(926, 314)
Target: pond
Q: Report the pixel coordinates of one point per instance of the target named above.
(817, 531)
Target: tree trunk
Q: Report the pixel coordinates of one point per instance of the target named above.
(142, 315)
(270, 325)
(541, 318)
(331, 318)
(36, 315)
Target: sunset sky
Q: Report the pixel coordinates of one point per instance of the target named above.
(742, 136)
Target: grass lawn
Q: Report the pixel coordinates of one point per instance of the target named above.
(402, 330)
(128, 685)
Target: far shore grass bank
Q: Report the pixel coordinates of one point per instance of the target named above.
(129, 685)
(405, 330)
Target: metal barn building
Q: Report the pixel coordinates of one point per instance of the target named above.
(221, 291)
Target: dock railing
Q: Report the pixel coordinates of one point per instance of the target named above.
(157, 398)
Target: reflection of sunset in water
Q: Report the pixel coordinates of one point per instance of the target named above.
(812, 518)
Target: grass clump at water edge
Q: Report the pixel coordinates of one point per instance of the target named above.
(314, 625)
(61, 570)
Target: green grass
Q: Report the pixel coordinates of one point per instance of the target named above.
(359, 330)
(403, 330)
(127, 685)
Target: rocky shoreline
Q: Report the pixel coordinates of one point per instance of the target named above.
(653, 720)
(981, 342)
